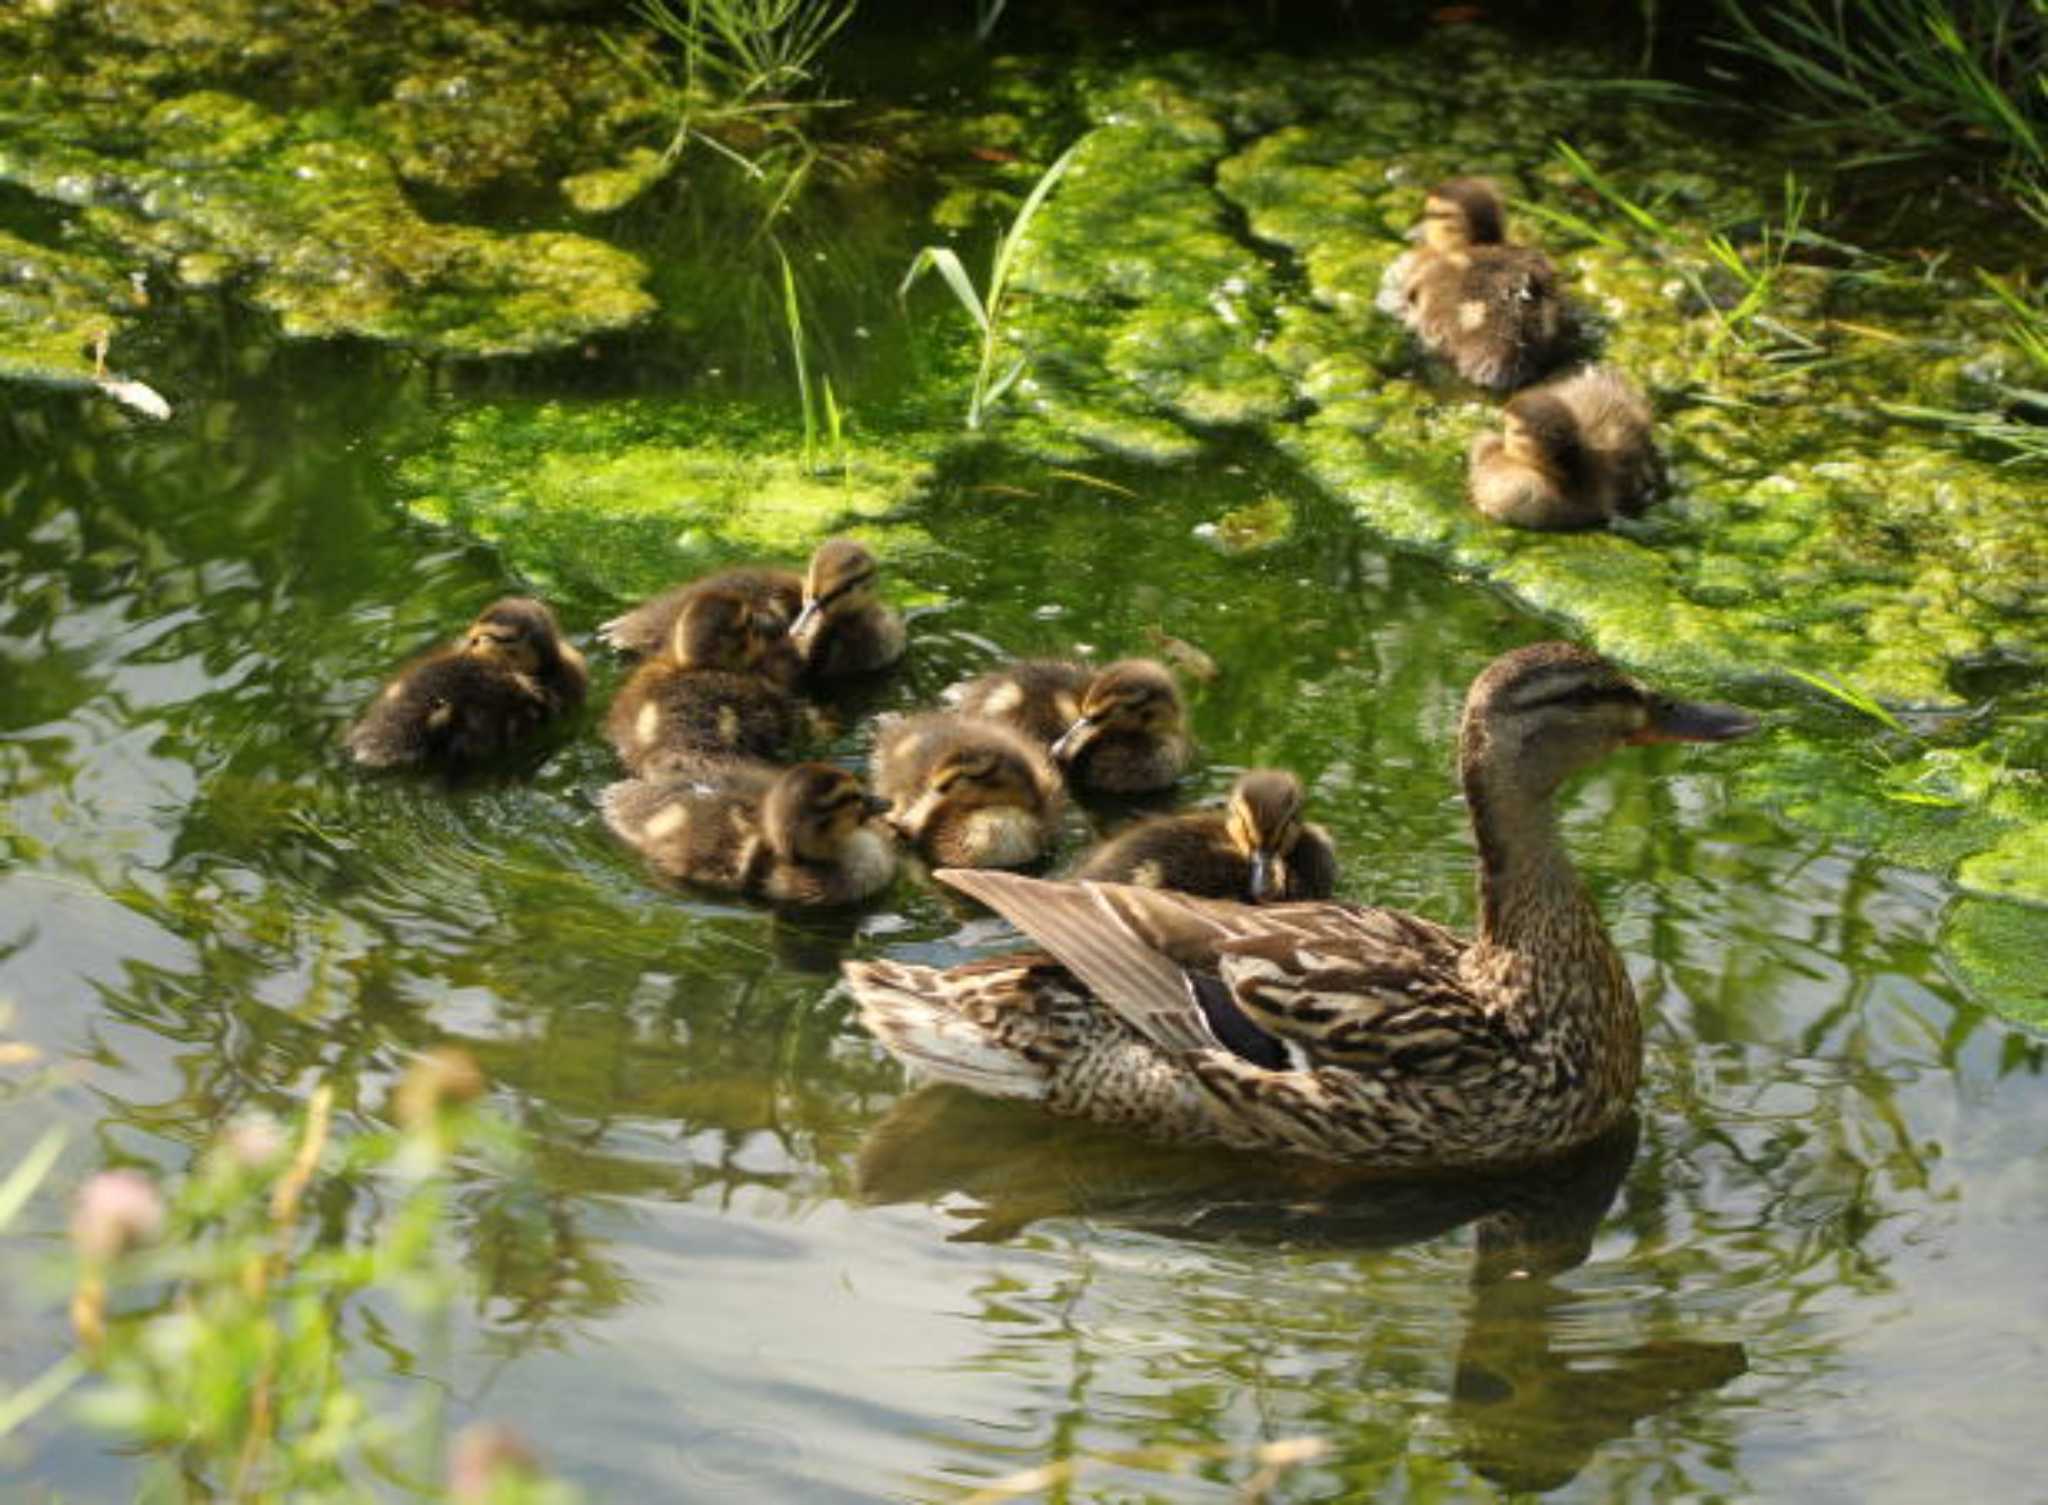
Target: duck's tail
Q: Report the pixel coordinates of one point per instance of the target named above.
(929, 1021)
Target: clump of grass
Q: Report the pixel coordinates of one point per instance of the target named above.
(1915, 78)
(987, 310)
(1748, 322)
(746, 80)
(822, 411)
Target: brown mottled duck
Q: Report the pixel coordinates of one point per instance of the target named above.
(1323, 1028)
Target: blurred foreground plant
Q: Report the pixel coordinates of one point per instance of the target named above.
(213, 1318)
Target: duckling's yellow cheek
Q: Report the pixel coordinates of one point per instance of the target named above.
(1068, 707)
(1471, 314)
(440, 715)
(728, 724)
(1005, 699)
(647, 725)
(1149, 875)
(669, 820)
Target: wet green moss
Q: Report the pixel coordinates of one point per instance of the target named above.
(53, 305)
(614, 501)
(1997, 950)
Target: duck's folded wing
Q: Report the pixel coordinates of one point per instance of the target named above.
(1381, 992)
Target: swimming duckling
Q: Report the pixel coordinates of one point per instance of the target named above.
(1572, 453)
(1490, 308)
(1120, 728)
(510, 674)
(1040, 697)
(800, 835)
(708, 694)
(969, 791)
(1131, 734)
(1256, 848)
(844, 628)
(776, 595)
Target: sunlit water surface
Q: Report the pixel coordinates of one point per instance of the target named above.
(763, 1268)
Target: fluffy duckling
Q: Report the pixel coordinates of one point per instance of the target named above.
(1121, 728)
(1131, 734)
(708, 694)
(1572, 453)
(844, 628)
(800, 835)
(1256, 848)
(1040, 697)
(776, 595)
(509, 675)
(969, 791)
(1490, 308)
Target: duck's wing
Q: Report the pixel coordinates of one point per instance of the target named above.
(1332, 978)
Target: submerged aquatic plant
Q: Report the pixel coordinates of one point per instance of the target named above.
(987, 311)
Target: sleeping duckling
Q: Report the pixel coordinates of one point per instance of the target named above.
(1130, 735)
(800, 835)
(1573, 453)
(1490, 308)
(776, 596)
(708, 694)
(969, 791)
(844, 628)
(1256, 848)
(509, 675)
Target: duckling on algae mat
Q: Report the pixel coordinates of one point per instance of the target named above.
(1325, 1028)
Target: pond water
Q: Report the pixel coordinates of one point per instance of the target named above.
(760, 1266)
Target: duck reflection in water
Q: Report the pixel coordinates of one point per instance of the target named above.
(1536, 1391)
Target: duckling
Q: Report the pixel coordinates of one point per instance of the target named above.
(801, 835)
(969, 791)
(1120, 729)
(1256, 848)
(707, 694)
(509, 675)
(1131, 734)
(1572, 453)
(1040, 697)
(1321, 1028)
(844, 628)
(1490, 308)
(776, 595)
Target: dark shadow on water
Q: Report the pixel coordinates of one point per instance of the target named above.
(1531, 1404)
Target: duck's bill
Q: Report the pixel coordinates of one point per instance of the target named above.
(806, 622)
(1696, 721)
(1070, 742)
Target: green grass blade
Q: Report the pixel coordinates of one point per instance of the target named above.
(1853, 698)
(946, 263)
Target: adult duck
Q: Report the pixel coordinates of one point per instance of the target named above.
(1324, 1028)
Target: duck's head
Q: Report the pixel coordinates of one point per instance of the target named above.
(982, 773)
(721, 630)
(1263, 821)
(841, 578)
(1538, 715)
(518, 633)
(812, 810)
(1463, 212)
(1133, 697)
(1538, 429)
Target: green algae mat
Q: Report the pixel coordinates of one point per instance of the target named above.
(1207, 267)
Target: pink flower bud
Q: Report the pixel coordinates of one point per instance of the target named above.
(116, 1211)
(484, 1454)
